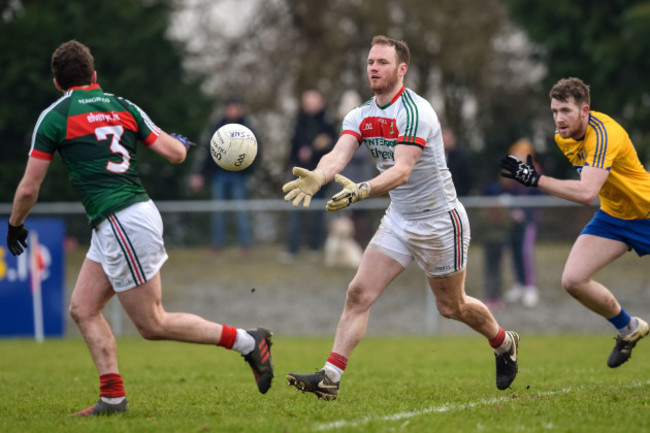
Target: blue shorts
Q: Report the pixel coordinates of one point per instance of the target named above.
(634, 233)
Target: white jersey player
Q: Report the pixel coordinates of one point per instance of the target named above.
(409, 119)
(425, 222)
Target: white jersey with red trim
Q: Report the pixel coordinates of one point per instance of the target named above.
(407, 120)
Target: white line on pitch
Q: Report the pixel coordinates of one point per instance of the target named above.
(433, 409)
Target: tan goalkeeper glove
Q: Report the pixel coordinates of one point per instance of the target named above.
(303, 188)
(351, 193)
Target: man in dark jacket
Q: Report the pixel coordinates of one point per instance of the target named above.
(314, 135)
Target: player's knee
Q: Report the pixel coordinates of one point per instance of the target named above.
(571, 283)
(150, 331)
(150, 334)
(357, 297)
(448, 310)
(73, 312)
(79, 313)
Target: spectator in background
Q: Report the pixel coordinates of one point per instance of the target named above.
(522, 235)
(459, 163)
(494, 225)
(313, 136)
(224, 184)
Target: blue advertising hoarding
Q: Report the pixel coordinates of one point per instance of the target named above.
(17, 306)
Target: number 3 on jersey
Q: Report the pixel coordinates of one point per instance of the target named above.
(115, 132)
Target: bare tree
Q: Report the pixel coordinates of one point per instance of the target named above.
(268, 51)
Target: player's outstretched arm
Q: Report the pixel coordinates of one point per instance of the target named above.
(309, 182)
(170, 148)
(405, 158)
(582, 191)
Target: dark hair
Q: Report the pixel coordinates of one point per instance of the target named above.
(571, 87)
(72, 64)
(401, 48)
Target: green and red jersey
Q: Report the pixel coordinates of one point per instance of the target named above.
(96, 135)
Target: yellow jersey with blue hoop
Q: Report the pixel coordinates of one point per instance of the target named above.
(626, 192)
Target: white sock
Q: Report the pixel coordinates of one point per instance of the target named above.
(630, 328)
(244, 343)
(333, 372)
(505, 346)
(112, 400)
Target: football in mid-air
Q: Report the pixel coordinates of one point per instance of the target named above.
(233, 147)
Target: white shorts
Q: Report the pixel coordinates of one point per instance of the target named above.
(129, 245)
(438, 244)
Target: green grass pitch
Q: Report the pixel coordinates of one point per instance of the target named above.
(414, 384)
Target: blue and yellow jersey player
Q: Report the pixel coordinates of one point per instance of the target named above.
(602, 152)
(604, 144)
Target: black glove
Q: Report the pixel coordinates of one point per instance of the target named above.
(522, 172)
(15, 237)
(186, 141)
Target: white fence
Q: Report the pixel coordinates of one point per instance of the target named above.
(279, 205)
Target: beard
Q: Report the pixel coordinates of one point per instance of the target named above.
(385, 85)
(572, 131)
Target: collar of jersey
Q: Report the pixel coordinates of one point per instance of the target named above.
(393, 100)
(91, 87)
